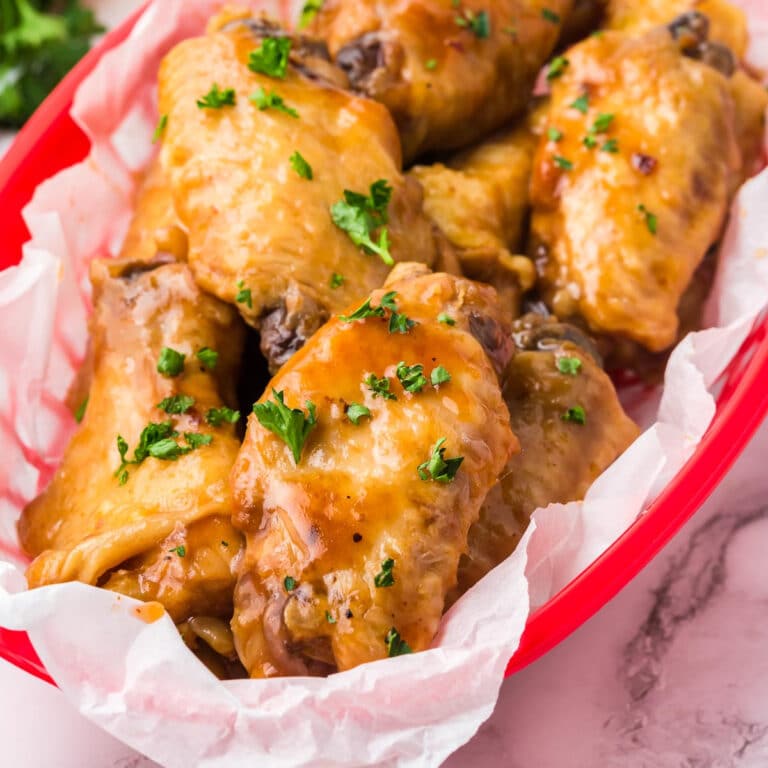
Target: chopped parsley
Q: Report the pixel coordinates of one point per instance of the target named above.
(437, 467)
(337, 280)
(291, 425)
(396, 646)
(301, 166)
(329, 618)
(366, 310)
(309, 10)
(176, 404)
(479, 23)
(611, 145)
(556, 67)
(181, 550)
(244, 295)
(576, 414)
(570, 366)
(385, 578)
(439, 376)
(271, 100)
(224, 543)
(602, 122)
(379, 386)
(549, 15)
(430, 64)
(355, 412)
(589, 141)
(399, 323)
(271, 57)
(651, 221)
(554, 134)
(289, 583)
(80, 412)
(217, 416)
(216, 99)
(160, 129)
(411, 377)
(581, 104)
(445, 319)
(170, 363)
(359, 215)
(208, 357)
(564, 163)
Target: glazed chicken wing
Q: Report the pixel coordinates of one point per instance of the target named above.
(354, 536)
(479, 200)
(632, 181)
(571, 427)
(260, 181)
(450, 73)
(148, 513)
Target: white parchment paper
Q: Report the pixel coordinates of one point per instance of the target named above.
(137, 680)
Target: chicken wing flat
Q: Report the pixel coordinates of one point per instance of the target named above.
(283, 180)
(450, 73)
(148, 513)
(632, 181)
(356, 517)
(571, 427)
(479, 199)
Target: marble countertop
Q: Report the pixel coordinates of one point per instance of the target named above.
(670, 674)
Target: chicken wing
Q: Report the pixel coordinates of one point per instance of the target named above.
(632, 181)
(148, 513)
(284, 186)
(571, 427)
(354, 536)
(450, 73)
(479, 199)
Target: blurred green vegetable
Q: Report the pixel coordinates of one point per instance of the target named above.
(40, 41)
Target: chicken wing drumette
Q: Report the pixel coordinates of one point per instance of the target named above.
(571, 427)
(450, 73)
(283, 179)
(633, 179)
(356, 495)
(148, 513)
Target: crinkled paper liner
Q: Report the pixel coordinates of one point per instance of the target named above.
(137, 680)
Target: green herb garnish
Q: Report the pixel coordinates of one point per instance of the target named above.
(575, 414)
(396, 646)
(589, 141)
(176, 404)
(170, 363)
(651, 221)
(411, 377)
(355, 412)
(602, 122)
(564, 163)
(445, 319)
(80, 412)
(366, 310)
(289, 583)
(244, 295)
(430, 64)
(337, 280)
(160, 129)
(379, 386)
(271, 57)
(271, 100)
(309, 10)
(208, 357)
(570, 366)
(554, 134)
(360, 215)
(437, 467)
(385, 578)
(292, 426)
(556, 67)
(549, 15)
(439, 376)
(218, 416)
(216, 99)
(329, 618)
(611, 145)
(301, 166)
(479, 23)
(181, 550)
(581, 104)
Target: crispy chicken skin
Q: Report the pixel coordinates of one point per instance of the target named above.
(86, 526)
(619, 229)
(479, 199)
(445, 81)
(356, 499)
(253, 222)
(558, 459)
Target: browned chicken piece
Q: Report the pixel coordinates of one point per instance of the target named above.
(633, 178)
(479, 199)
(571, 427)
(728, 24)
(353, 542)
(450, 73)
(157, 529)
(261, 231)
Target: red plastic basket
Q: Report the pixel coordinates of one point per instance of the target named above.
(51, 141)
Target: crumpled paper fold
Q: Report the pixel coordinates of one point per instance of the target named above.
(137, 680)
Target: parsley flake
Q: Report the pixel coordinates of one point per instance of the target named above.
(309, 10)
(651, 221)
(359, 215)
(176, 404)
(479, 23)
(564, 163)
(216, 99)
(385, 578)
(549, 15)
(379, 386)
(576, 414)
(399, 323)
(160, 129)
(337, 280)
(80, 412)
(439, 376)
(602, 122)
(581, 104)
(208, 357)
(355, 412)
(301, 166)
(611, 145)
(437, 467)
(570, 366)
(396, 646)
(366, 310)
(271, 100)
(292, 426)
(329, 617)
(556, 67)
(244, 295)
(170, 363)
(217, 416)
(181, 550)
(554, 134)
(289, 583)
(430, 64)
(271, 57)
(589, 141)
(411, 377)
(445, 319)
